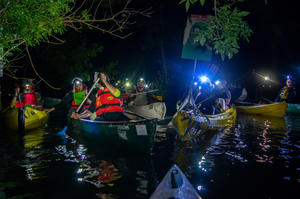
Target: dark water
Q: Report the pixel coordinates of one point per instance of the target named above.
(257, 158)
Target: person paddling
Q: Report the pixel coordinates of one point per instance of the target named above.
(73, 98)
(107, 106)
(288, 92)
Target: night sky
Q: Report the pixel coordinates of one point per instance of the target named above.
(273, 49)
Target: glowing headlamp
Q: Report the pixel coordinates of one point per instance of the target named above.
(217, 82)
(127, 84)
(77, 82)
(141, 79)
(204, 79)
(266, 78)
(195, 83)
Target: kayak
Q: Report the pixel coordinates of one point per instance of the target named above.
(150, 111)
(32, 118)
(175, 185)
(188, 124)
(293, 109)
(137, 135)
(275, 109)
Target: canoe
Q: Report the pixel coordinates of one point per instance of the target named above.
(150, 111)
(187, 124)
(137, 135)
(293, 109)
(175, 185)
(274, 110)
(33, 118)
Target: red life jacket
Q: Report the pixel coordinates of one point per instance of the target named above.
(85, 106)
(106, 102)
(29, 99)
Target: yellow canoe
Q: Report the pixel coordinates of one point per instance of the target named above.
(188, 124)
(274, 110)
(33, 118)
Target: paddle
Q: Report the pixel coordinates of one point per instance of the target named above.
(94, 85)
(151, 91)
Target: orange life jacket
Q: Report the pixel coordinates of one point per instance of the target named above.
(85, 106)
(106, 102)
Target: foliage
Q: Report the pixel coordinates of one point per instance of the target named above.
(225, 28)
(30, 22)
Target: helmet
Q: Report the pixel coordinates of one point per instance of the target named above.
(97, 75)
(77, 80)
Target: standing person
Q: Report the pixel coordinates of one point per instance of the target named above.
(73, 98)
(287, 93)
(107, 106)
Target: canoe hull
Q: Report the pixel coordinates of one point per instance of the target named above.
(33, 118)
(150, 111)
(293, 109)
(175, 185)
(274, 110)
(125, 136)
(187, 125)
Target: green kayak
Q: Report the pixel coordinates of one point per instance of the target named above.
(293, 109)
(120, 136)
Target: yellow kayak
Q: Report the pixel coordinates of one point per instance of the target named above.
(33, 118)
(274, 110)
(188, 124)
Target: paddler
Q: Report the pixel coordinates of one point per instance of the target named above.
(107, 106)
(27, 99)
(73, 98)
(288, 92)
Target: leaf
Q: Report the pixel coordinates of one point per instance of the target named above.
(202, 2)
(187, 5)
(182, 1)
(243, 14)
(202, 41)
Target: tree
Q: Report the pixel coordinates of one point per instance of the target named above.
(28, 23)
(226, 27)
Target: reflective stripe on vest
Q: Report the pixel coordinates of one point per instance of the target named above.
(106, 102)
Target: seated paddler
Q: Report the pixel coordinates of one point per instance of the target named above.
(28, 98)
(73, 99)
(107, 105)
(288, 92)
(141, 96)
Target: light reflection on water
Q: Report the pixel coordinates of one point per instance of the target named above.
(257, 151)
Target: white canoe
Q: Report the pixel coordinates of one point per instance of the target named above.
(150, 111)
(175, 185)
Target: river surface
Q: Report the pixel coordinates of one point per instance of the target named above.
(257, 158)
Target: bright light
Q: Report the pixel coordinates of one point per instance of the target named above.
(199, 187)
(204, 79)
(195, 83)
(126, 79)
(217, 82)
(141, 79)
(266, 78)
(79, 170)
(288, 77)
(200, 87)
(127, 84)
(146, 86)
(77, 82)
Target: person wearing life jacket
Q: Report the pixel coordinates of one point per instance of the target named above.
(107, 104)
(74, 98)
(287, 93)
(27, 98)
